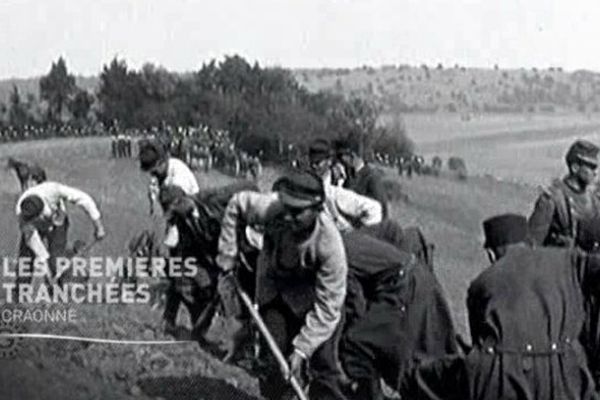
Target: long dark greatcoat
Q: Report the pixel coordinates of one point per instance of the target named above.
(396, 311)
(525, 313)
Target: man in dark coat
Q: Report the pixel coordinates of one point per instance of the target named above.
(396, 313)
(588, 240)
(558, 212)
(567, 201)
(525, 313)
(362, 178)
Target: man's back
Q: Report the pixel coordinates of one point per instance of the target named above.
(525, 313)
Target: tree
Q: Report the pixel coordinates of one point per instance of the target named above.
(57, 88)
(120, 94)
(80, 105)
(355, 119)
(17, 114)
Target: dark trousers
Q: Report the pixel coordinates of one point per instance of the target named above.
(56, 242)
(284, 325)
(372, 348)
(175, 296)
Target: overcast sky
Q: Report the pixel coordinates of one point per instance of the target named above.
(181, 34)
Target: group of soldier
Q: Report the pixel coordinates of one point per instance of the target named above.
(33, 132)
(120, 145)
(351, 297)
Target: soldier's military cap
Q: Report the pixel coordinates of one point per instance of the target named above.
(583, 150)
(150, 154)
(504, 229)
(588, 234)
(300, 190)
(31, 207)
(319, 150)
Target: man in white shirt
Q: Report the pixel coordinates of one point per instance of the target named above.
(167, 172)
(164, 171)
(43, 220)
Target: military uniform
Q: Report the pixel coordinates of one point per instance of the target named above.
(396, 314)
(525, 313)
(557, 212)
(555, 221)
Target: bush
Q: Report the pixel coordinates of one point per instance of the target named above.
(458, 166)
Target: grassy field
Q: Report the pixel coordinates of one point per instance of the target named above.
(516, 148)
(449, 212)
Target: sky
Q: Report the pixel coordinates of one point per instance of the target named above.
(182, 34)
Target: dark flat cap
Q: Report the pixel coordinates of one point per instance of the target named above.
(300, 190)
(31, 207)
(583, 150)
(588, 234)
(504, 229)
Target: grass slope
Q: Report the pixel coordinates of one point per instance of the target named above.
(449, 212)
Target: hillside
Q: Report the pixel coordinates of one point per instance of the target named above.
(31, 86)
(457, 89)
(448, 211)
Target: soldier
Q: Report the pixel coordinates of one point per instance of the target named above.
(43, 219)
(567, 201)
(525, 313)
(396, 314)
(301, 279)
(362, 178)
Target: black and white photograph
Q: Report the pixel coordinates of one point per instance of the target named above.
(299, 199)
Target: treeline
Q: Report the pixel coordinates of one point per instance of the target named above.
(262, 108)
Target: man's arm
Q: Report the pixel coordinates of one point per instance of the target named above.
(541, 218)
(244, 208)
(377, 191)
(84, 201)
(476, 308)
(80, 198)
(153, 191)
(34, 241)
(358, 207)
(183, 177)
(321, 321)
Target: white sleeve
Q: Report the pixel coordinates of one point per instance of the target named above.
(368, 211)
(36, 245)
(185, 179)
(80, 198)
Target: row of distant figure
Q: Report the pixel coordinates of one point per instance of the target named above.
(200, 148)
(416, 165)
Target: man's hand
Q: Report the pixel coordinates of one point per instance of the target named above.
(227, 290)
(226, 263)
(99, 232)
(298, 366)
